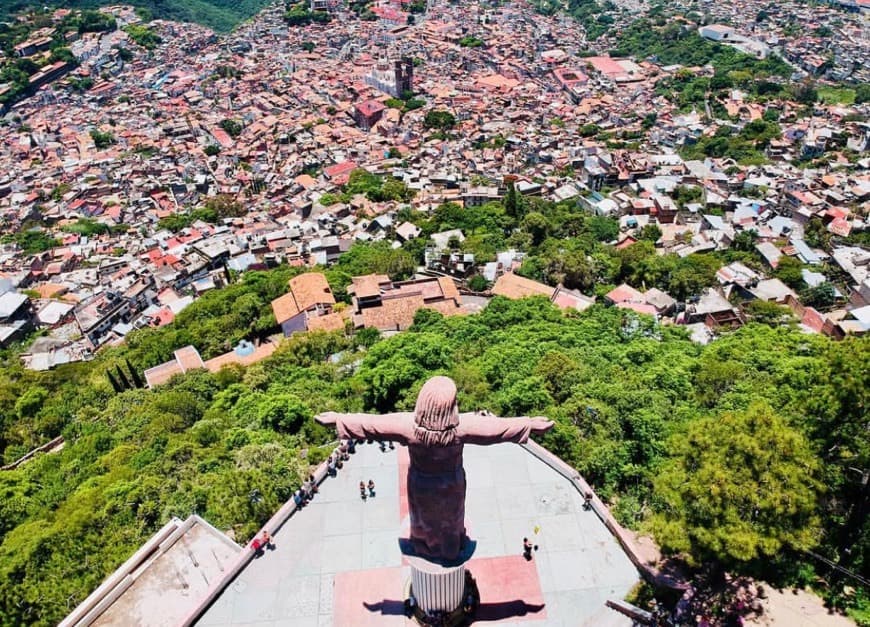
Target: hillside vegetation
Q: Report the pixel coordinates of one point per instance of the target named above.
(220, 15)
(771, 418)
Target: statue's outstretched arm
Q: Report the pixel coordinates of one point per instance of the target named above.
(485, 429)
(397, 427)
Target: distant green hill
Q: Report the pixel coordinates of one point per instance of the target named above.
(221, 15)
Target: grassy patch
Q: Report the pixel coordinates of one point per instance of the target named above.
(836, 95)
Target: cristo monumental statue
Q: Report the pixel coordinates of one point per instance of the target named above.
(436, 545)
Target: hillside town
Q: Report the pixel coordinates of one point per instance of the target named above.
(155, 168)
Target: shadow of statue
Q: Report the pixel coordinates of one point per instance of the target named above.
(504, 610)
(387, 607)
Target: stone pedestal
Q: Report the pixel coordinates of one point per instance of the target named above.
(437, 588)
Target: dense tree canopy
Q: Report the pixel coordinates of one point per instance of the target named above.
(766, 414)
(739, 487)
(221, 15)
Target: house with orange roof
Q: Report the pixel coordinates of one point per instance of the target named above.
(514, 286)
(387, 306)
(188, 358)
(309, 299)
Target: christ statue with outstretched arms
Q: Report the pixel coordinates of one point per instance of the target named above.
(435, 434)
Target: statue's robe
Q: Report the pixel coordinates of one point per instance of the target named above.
(436, 477)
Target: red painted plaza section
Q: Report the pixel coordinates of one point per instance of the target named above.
(510, 592)
(360, 597)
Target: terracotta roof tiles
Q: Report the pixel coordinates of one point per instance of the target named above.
(311, 289)
(513, 285)
(306, 292)
(394, 314)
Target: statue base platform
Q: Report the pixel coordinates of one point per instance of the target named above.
(460, 615)
(438, 587)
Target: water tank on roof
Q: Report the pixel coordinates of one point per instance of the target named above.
(244, 348)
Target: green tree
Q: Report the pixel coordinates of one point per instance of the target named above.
(175, 222)
(233, 128)
(788, 270)
(33, 241)
(439, 120)
(470, 42)
(536, 225)
(29, 403)
(63, 54)
(394, 189)
(689, 275)
(768, 312)
(283, 412)
(602, 228)
(559, 373)
(686, 194)
(761, 132)
(143, 36)
(378, 257)
(511, 200)
(649, 120)
(87, 227)
(225, 206)
(90, 21)
(745, 241)
(478, 283)
(816, 234)
(821, 296)
(651, 233)
(738, 487)
(805, 93)
(102, 139)
(770, 115)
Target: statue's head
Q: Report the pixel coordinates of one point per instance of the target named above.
(436, 414)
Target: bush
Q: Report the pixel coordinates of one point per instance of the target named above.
(233, 128)
(439, 120)
(143, 36)
(102, 139)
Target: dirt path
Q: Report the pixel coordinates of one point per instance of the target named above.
(797, 608)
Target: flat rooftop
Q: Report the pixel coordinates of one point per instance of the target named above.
(162, 581)
(337, 561)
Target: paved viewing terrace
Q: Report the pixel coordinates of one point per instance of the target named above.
(337, 561)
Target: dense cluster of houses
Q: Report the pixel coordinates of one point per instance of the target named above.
(278, 118)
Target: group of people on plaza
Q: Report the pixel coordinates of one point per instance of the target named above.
(308, 489)
(362, 489)
(334, 463)
(262, 542)
(341, 454)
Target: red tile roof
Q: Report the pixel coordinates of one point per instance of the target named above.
(345, 167)
(370, 107)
